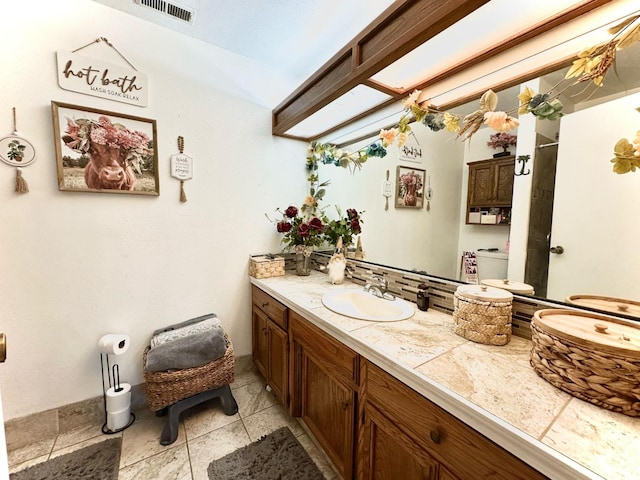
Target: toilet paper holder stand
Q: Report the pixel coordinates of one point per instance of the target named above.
(113, 379)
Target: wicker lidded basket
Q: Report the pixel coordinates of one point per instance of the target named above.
(590, 356)
(166, 388)
(266, 266)
(609, 304)
(482, 314)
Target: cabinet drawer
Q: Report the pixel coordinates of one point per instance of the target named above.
(466, 453)
(340, 360)
(274, 309)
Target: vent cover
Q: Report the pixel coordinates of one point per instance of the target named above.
(169, 8)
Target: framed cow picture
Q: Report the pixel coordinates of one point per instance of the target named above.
(104, 152)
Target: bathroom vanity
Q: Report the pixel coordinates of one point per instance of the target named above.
(410, 399)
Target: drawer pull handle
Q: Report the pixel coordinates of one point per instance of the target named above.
(264, 330)
(435, 436)
(345, 405)
(265, 304)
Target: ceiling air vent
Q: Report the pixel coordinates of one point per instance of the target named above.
(169, 8)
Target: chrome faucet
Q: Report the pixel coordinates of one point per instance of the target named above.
(379, 286)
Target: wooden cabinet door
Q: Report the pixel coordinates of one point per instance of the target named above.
(481, 183)
(386, 453)
(323, 390)
(260, 341)
(503, 191)
(446, 474)
(277, 377)
(328, 411)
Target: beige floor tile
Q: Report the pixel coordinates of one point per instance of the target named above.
(78, 446)
(206, 417)
(79, 435)
(18, 456)
(28, 463)
(213, 445)
(252, 398)
(246, 377)
(269, 420)
(142, 440)
(318, 457)
(171, 464)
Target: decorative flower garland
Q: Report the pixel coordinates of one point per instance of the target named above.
(591, 66)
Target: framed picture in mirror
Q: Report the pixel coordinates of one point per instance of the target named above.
(410, 187)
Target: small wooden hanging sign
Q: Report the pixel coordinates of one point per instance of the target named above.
(181, 168)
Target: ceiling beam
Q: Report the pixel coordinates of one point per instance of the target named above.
(367, 56)
(404, 26)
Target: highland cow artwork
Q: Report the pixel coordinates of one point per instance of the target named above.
(105, 152)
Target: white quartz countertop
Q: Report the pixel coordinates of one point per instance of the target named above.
(493, 389)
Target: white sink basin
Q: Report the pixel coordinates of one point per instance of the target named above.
(356, 303)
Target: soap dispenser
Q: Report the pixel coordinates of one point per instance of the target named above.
(422, 297)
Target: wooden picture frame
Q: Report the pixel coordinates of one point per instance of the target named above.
(410, 187)
(104, 152)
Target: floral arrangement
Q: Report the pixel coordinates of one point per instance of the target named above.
(301, 233)
(82, 132)
(328, 154)
(627, 155)
(410, 181)
(502, 140)
(346, 227)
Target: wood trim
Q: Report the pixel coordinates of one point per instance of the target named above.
(379, 45)
(402, 27)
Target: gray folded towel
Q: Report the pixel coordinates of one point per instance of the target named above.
(187, 352)
(191, 329)
(185, 323)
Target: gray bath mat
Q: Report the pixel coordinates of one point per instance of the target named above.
(277, 456)
(99, 461)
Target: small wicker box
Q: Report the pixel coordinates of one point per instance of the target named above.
(482, 314)
(590, 356)
(166, 388)
(266, 266)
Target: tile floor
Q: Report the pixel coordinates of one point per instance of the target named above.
(205, 434)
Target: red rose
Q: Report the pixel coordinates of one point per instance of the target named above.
(291, 212)
(352, 213)
(303, 229)
(283, 226)
(315, 223)
(355, 225)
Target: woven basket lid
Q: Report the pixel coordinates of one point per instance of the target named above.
(484, 293)
(597, 332)
(610, 304)
(510, 285)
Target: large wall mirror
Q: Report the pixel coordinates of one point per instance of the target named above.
(571, 197)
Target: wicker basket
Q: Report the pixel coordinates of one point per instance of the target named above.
(600, 373)
(266, 266)
(166, 388)
(482, 314)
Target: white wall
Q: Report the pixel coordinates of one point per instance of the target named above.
(77, 265)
